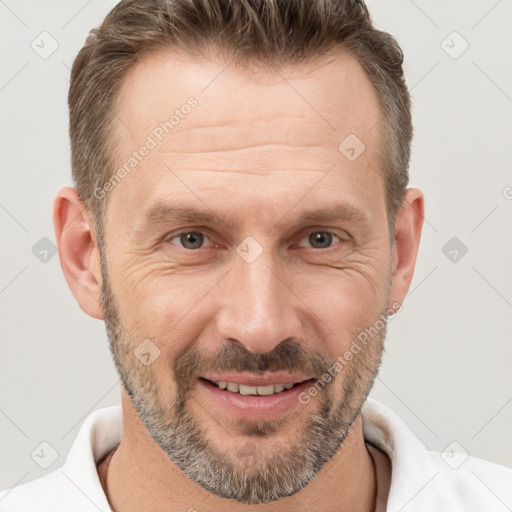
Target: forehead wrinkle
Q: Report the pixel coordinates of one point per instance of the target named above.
(245, 147)
(248, 135)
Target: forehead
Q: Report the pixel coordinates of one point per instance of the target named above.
(251, 128)
(332, 93)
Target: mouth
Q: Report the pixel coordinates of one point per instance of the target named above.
(252, 397)
(244, 389)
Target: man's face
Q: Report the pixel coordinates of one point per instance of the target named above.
(259, 295)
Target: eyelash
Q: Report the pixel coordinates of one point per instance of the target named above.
(177, 235)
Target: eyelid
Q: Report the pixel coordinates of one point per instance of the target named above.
(303, 234)
(331, 231)
(202, 231)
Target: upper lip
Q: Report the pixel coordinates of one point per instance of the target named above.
(256, 380)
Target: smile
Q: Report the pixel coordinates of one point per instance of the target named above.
(253, 397)
(242, 389)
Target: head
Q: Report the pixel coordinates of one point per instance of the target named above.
(241, 209)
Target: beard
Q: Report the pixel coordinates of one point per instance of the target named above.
(250, 475)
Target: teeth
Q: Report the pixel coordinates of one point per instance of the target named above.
(232, 387)
(248, 390)
(254, 390)
(266, 390)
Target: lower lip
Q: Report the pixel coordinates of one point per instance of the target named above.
(252, 406)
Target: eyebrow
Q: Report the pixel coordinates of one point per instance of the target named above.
(165, 214)
(161, 214)
(345, 212)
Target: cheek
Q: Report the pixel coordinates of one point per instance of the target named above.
(164, 305)
(344, 301)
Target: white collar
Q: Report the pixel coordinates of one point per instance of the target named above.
(421, 480)
(412, 464)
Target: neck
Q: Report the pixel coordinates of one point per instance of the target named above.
(140, 476)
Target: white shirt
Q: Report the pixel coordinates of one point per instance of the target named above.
(421, 480)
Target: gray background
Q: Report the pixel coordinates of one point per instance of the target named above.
(447, 367)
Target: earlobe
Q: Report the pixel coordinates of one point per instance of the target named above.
(78, 251)
(408, 226)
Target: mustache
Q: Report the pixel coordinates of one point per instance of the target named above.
(287, 356)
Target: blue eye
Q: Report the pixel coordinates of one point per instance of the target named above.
(190, 239)
(322, 239)
(193, 240)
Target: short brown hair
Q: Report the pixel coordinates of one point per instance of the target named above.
(268, 32)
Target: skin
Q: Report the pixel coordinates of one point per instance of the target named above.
(256, 150)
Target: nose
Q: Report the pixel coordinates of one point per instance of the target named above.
(258, 308)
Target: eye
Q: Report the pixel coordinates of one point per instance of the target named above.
(321, 239)
(190, 239)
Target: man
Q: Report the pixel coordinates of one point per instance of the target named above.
(241, 222)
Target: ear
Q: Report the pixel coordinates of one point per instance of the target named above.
(78, 250)
(408, 225)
